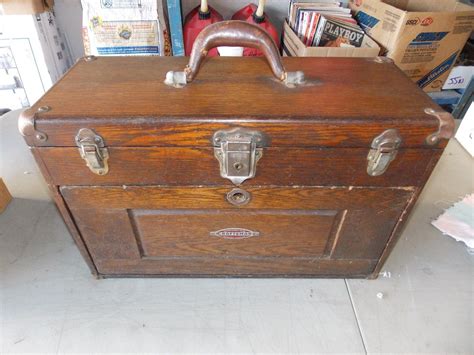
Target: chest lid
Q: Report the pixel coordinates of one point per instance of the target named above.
(342, 102)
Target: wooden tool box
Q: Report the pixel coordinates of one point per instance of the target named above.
(294, 167)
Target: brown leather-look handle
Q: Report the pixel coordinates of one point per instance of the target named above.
(233, 34)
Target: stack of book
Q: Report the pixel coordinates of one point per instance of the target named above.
(324, 23)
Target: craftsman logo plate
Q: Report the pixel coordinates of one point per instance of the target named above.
(234, 233)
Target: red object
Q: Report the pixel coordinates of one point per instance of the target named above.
(244, 13)
(194, 23)
(248, 14)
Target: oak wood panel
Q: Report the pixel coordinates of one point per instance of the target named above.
(362, 230)
(159, 137)
(236, 88)
(188, 232)
(214, 267)
(188, 166)
(192, 197)
(108, 232)
(197, 132)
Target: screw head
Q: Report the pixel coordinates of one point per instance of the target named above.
(238, 166)
(433, 139)
(43, 109)
(41, 137)
(90, 58)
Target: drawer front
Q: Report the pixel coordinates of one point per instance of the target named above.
(236, 233)
(279, 167)
(311, 231)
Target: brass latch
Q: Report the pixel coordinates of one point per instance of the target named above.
(238, 151)
(383, 150)
(93, 151)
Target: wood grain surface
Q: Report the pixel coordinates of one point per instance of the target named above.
(148, 226)
(349, 88)
(134, 107)
(317, 211)
(197, 132)
(189, 166)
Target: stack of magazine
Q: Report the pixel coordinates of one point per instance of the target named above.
(324, 23)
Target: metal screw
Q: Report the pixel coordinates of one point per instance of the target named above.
(430, 111)
(217, 140)
(238, 166)
(90, 58)
(41, 137)
(43, 109)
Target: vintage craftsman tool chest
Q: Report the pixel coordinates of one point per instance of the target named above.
(293, 167)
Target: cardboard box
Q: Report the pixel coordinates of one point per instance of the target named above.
(293, 47)
(5, 196)
(423, 37)
(25, 7)
(459, 78)
(124, 27)
(56, 50)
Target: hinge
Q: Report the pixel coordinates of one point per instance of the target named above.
(93, 151)
(238, 150)
(383, 150)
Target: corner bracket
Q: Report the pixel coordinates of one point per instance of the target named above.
(27, 127)
(445, 129)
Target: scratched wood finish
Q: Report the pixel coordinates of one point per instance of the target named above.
(182, 233)
(318, 211)
(157, 224)
(134, 107)
(188, 166)
(134, 87)
(197, 132)
(266, 267)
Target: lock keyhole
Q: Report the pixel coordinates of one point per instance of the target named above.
(238, 166)
(238, 197)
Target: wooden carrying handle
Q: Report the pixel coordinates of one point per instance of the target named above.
(234, 33)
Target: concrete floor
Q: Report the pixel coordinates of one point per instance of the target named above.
(50, 303)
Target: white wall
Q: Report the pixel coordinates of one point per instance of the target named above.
(69, 17)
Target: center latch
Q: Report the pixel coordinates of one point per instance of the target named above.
(238, 150)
